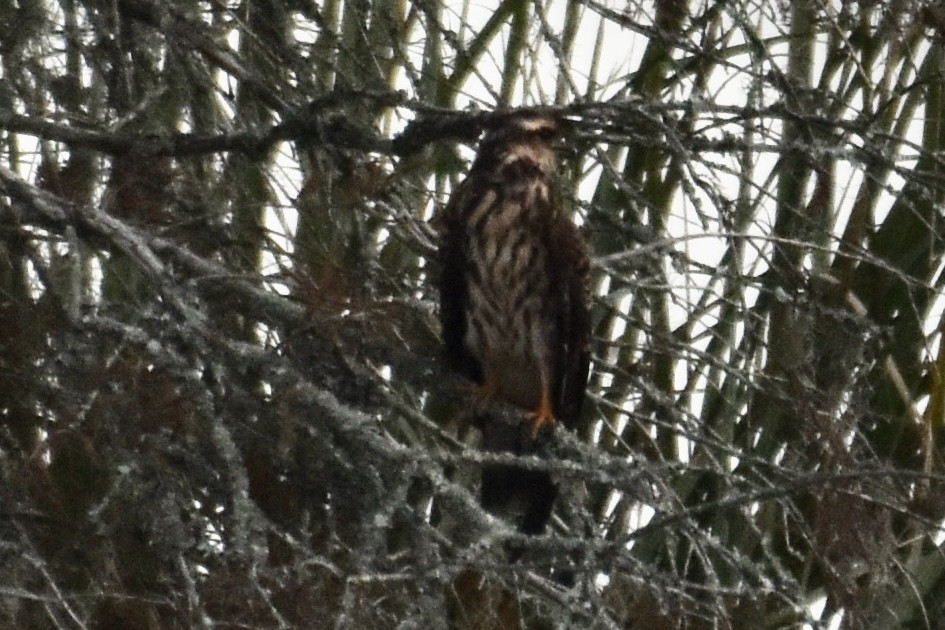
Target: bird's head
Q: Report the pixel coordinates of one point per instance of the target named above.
(522, 136)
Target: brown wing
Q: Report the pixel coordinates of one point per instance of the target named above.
(453, 288)
(569, 266)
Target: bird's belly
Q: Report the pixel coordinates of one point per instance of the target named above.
(509, 323)
(506, 349)
(509, 331)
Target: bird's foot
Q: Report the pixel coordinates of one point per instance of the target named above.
(540, 421)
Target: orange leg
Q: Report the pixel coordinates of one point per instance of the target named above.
(544, 415)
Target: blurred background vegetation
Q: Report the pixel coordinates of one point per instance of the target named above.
(221, 399)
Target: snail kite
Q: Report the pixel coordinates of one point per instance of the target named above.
(513, 299)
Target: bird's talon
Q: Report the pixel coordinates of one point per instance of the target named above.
(538, 423)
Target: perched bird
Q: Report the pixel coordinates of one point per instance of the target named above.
(513, 300)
